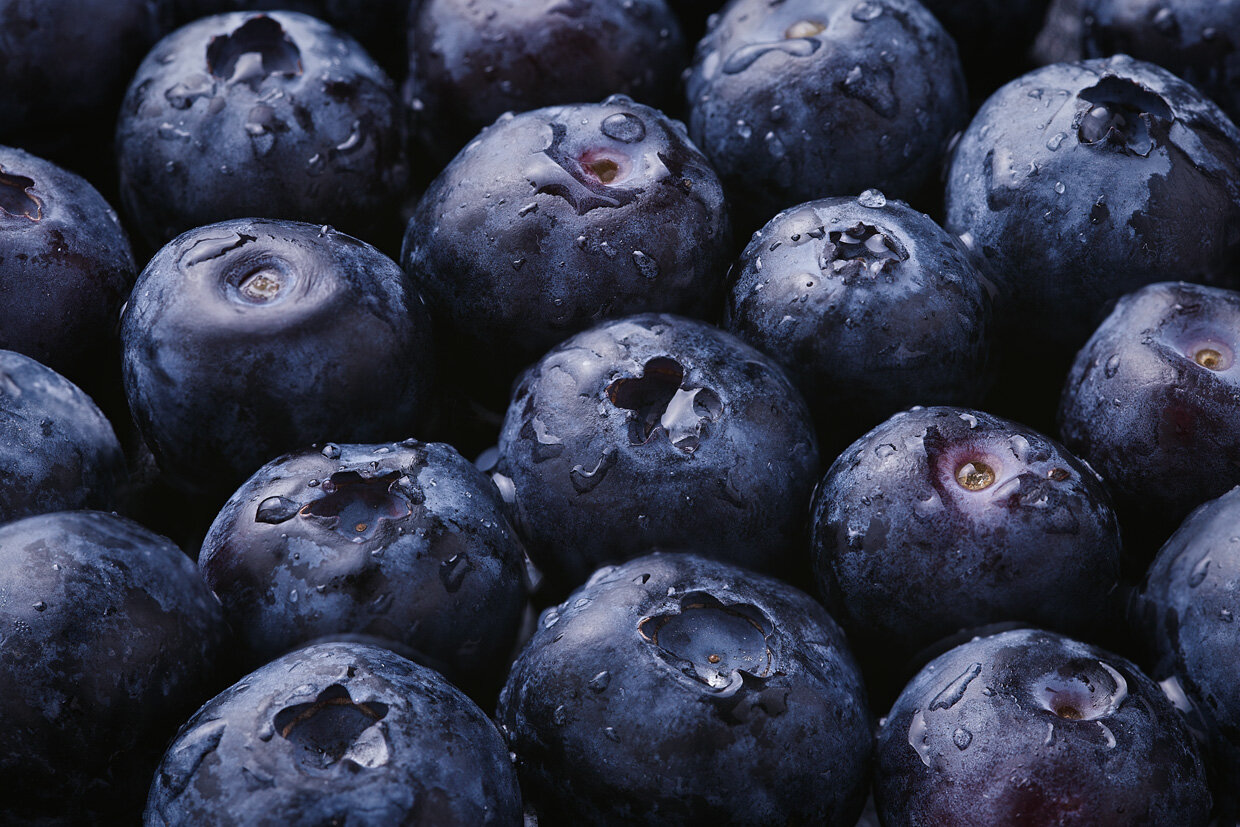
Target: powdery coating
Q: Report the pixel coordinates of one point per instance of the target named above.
(1149, 406)
(679, 690)
(57, 450)
(337, 733)
(406, 542)
(276, 115)
(812, 98)
(868, 304)
(657, 432)
(111, 638)
(471, 61)
(1080, 182)
(946, 518)
(65, 266)
(554, 220)
(250, 338)
(1029, 727)
(1187, 610)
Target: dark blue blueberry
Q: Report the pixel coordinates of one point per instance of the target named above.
(1187, 612)
(110, 638)
(657, 432)
(1153, 400)
(1080, 182)
(58, 451)
(404, 541)
(337, 733)
(946, 518)
(250, 338)
(556, 219)
(869, 305)
(812, 98)
(66, 63)
(1196, 39)
(1027, 727)
(994, 37)
(679, 690)
(471, 61)
(275, 115)
(65, 267)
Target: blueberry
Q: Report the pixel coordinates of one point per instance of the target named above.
(1028, 727)
(1187, 610)
(66, 63)
(812, 98)
(110, 639)
(1153, 399)
(471, 61)
(65, 267)
(1193, 38)
(679, 690)
(657, 431)
(1081, 182)
(946, 518)
(556, 219)
(57, 450)
(337, 733)
(404, 541)
(275, 115)
(250, 338)
(868, 304)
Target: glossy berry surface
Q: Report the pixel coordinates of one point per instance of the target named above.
(1187, 610)
(556, 219)
(110, 639)
(58, 451)
(679, 690)
(868, 304)
(945, 518)
(337, 733)
(1028, 727)
(275, 115)
(812, 98)
(405, 541)
(656, 432)
(1153, 398)
(471, 61)
(65, 266)
(1080, 182)
(250, 338)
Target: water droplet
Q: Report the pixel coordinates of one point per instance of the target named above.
(647, 266)
(1107, 734)
(624, 127)
(585, 481)
(962, 738)
(955, 690)
(1112, 366)
(331, 451)
(353, 141)
(1060, 188)
(1198, 575)
(559, 716)
(917, 737)
(600, 682)
(1223, 615)
(884, 451)
(611, 734)
(746, 56)
(40, 606)
(866, 11)
(1056, 141)
(872, 199)
(453, 570)
(276, 510)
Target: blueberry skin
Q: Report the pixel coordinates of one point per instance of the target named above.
(945, 518)
(471, 61)
(868, 305)
(66, 64)
(1153, 398)
(404, 541)
(812, 98)
(314, 131)
(58, 451)
(337, 733)
(1029, 727)
(554, 220)
(1193, 38)
(1187, 605)
(994, 36)
(656, 432)
(65, 266)
(679, 690)
(1080, 182)
(111, 638)
(247, 339)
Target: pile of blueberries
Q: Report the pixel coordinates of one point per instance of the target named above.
(525, 417)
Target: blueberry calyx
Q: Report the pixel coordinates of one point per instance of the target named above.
(1121, 116)
(15, 197)
(333, 727)
(258, 49)
(658, 400)
(861, 249)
